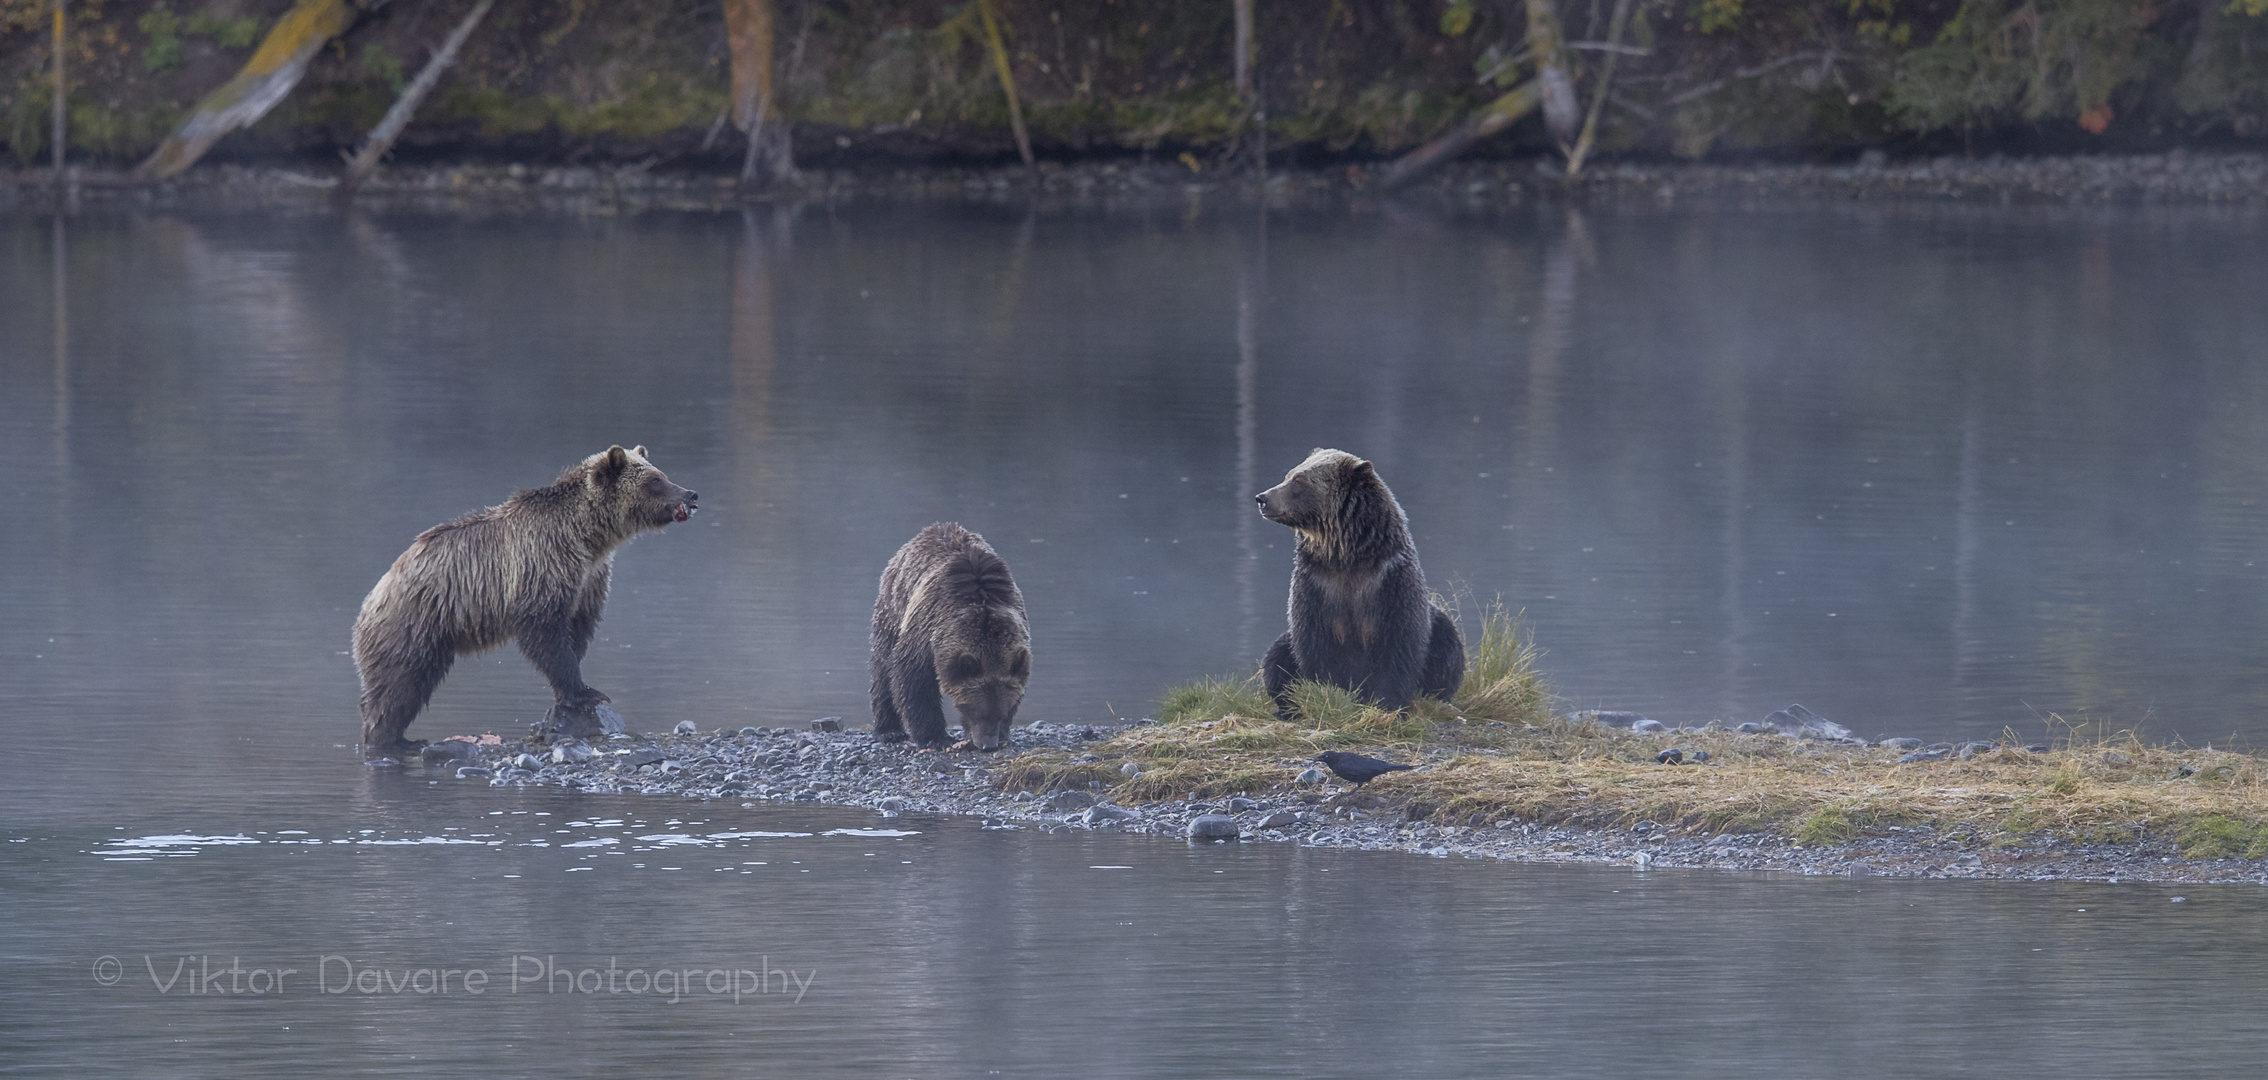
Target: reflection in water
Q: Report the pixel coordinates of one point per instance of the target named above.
(1251, 287)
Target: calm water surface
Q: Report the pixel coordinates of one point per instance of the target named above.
(1929, 472)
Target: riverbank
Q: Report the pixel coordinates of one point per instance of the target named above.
(2170, 179)
(1582, 790)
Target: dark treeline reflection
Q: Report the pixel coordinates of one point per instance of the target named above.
(1930, 472)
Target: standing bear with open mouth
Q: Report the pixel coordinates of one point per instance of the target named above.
(1360, 614)
(948, 619)
(533, 570)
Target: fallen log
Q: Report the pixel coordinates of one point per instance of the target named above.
(265, 80)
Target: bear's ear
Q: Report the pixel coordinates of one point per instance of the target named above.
(641, 452)
(610, 465)
(1362, 469)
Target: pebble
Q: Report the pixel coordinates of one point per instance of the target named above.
(897, 802)
(1310, 777)
(827, 723)
(686, 727)
(748, 731)
(1130, 770)
(1750, 728)
(1921, 755)
(530, 762)
(1671, 756)
(1648, 727)
(1279, 819)
(1212, 827)
(1240, 804)
(634, 758)
(1902, 745)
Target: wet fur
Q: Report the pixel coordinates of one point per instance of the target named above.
(1360, 616)
(533, 570)
(948, 620)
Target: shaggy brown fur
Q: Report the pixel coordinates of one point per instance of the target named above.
(948, 618)
(1360, 614)
(533, 570)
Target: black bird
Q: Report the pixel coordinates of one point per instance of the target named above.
(1357, 768)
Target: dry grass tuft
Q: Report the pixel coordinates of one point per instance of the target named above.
(1499, 753)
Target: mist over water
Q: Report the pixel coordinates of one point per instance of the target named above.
(1929, 471)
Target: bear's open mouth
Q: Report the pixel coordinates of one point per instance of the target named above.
(684, 512)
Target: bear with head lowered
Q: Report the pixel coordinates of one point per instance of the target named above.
(1360, 615)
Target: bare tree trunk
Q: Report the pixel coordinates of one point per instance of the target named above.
(1548, 46)
(1497, 116)
(59, 97)
(1583, 142)
(266, 79)
(382, 137)
(748, 33)
(1244, 49)
(999, 51)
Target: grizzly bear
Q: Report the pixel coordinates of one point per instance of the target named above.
(1360, 614)
(948, 618)
(533, 570)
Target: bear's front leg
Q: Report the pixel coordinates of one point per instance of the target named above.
(549, 644)
(921, 707)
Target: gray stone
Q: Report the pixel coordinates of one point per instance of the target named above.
(2037, 749)
(634, 758)
(1970, 750)
(894, 802)
(686, 727)
(576, 751)
(530, 762)
(1671, 756)
(1699, 757)
(827, 723)
(1066, 801)
(472, 772)
(1310, 777)
(1106, 814)
(1279, 819)
(1902, 745)
(1130, 770)
(1648, 727)
(1921, 755)
(751, 731)
(672, 768)
(1804, 724)
(1212, 827)
(1025, 796)
(1240, 804)
(1750, 728)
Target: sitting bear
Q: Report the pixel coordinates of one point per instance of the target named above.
(1360, 614)
(948, 618)
(533, 570)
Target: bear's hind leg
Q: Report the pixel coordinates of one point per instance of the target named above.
(1444, 659)
(1278, 671)
(395, 688)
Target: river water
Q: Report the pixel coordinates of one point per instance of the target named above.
(1933, 472)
